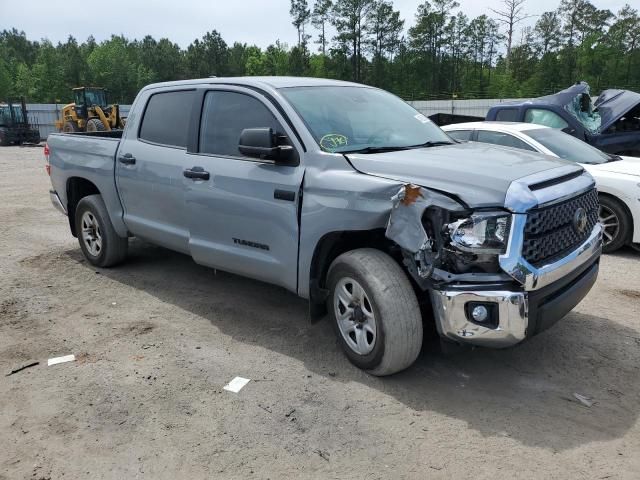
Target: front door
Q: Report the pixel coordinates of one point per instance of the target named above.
(242, 211)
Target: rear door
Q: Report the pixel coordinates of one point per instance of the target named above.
(149, 166)
(243, 216)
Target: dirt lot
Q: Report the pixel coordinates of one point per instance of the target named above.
(158, 338)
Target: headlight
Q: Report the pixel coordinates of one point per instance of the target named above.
(483, 232)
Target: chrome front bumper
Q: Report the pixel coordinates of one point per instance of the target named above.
(452, 322)
(55, 200)
(514, 307)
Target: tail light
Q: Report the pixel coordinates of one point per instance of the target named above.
(47, 166)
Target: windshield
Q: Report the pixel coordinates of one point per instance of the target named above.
(567, 147)
(5, 115)
(347, 119)
(581, 107)
(17, 114)
(95, 97)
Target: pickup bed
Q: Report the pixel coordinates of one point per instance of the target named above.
(346, 196)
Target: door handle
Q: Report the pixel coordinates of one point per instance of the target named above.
(196, 173)
(127, 159)
(284, 195)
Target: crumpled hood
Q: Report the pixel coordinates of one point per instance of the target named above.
(628, 165)
(614, 104)
(477, 173)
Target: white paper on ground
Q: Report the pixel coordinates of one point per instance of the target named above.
(236, 384)
(55, 361)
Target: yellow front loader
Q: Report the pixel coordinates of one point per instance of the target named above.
(90, 112)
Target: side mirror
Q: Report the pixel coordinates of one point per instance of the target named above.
(263, 143)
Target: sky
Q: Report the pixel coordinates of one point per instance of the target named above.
(259, 22)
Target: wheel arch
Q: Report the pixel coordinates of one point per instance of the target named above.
(626, 209)
(328, 248)
(77, 189)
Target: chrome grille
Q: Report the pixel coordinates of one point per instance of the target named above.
(550, 232)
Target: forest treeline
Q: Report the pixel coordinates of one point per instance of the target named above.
(440, 53)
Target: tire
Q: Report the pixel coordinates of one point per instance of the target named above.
(616, 223)
(70, 127)
(387, 305)
(4, 141)
(100, 243)
(95, 125)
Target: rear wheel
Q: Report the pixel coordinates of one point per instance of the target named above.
(375, 311)
(95, 125)
(615, 222)
(100, 243)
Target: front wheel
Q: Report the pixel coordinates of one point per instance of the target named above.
(615, 224)
(100, 243)
(375, 311)
(95, 125)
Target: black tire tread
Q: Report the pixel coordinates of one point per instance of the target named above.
(115, 247)
(397, 303)
(625, 223)
(97, 123)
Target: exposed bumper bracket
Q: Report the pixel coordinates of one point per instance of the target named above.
(55, 200)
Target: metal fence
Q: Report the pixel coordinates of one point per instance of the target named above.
(476, 108)
(45, 114)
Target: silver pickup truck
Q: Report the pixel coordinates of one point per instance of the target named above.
(345, 195)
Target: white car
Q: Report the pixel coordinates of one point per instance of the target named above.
(617, 178)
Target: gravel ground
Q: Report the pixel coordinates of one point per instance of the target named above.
(158, 337)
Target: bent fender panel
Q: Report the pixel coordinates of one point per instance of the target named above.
(405, 221)
(338, 198)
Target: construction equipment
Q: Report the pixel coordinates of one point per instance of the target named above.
(15, 126)
(90, 112)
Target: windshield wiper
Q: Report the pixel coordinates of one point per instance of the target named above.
(396, 148)
(613, 158)
(431, 144)
(374, 150)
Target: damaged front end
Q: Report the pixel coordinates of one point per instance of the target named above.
(442, 242)
(453, 253)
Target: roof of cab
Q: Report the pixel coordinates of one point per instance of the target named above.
(272, 82)
(488, 125)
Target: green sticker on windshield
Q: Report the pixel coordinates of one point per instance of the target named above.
(332, 141)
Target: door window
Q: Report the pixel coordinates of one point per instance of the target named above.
(544, 117)
(166, 118)
(504, 139)
(225, 115)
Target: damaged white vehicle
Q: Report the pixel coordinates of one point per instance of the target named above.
(346, 196)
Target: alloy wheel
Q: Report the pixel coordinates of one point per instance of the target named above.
(91, 235)
(610, 224)
(355, 316)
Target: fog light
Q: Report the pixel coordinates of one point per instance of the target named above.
(480, 313)
(483, 313)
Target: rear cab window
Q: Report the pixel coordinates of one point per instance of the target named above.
(166, 118)
(460, 135)
(507, 115)
(504, 139)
